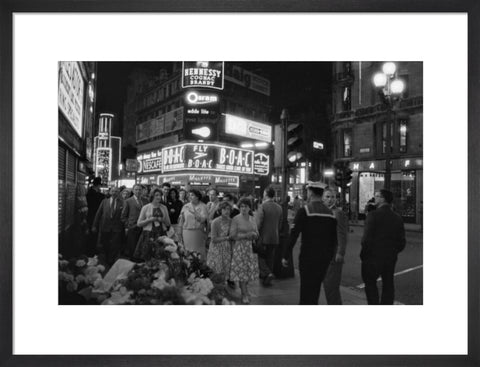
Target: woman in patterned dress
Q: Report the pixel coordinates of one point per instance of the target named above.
(220, 252)
(243, 231)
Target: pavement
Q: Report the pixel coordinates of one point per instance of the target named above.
(411, 227)
(286, 292)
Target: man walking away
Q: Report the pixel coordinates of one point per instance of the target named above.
(318, 227)
(269, 223)
(383, 238)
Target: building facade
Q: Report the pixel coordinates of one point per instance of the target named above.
(360, 123)
(201, 124)
(76, 111)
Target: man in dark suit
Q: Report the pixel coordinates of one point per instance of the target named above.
(165, 192)
(109, 224)
(383, 238)
(269, 223)
(130, 214)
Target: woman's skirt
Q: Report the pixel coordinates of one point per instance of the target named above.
(244, 265)
(219, 257)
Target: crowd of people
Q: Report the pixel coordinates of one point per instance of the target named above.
(239, 239)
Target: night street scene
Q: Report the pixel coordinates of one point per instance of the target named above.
(240, 183)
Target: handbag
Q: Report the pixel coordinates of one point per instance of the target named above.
(258, 247)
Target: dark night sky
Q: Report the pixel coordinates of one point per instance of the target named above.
(298, 86)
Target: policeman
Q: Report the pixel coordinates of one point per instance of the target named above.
(318, 226)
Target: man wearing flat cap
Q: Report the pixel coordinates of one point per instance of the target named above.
(318, 226)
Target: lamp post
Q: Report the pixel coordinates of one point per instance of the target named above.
(389, 88)
(284, 120)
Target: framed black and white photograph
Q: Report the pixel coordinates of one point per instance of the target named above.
(240, 184)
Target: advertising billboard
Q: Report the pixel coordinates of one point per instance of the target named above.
(201, 107)
(247, 79)
(103, 164)
(207, 157)
(261, 164)
(247, 128)
(160, 125)
(200, 180)
(203, 74)
(71, 93)
(150, 162)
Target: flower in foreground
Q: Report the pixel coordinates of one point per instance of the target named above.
(92, 261)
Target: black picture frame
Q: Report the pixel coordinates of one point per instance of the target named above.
(8, 8)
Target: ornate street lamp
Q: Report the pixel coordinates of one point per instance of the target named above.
(390, 88)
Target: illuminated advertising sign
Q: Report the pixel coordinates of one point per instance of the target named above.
(317, 145)
(201, 131)
(71, 94)
(201, 107)
(200, 179)
(198, 98)
(247, 128)
(205, 74)
(261, 164)
(103, 164)
(150, 162)
(204, 157)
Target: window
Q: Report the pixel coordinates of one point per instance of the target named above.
(403, 135)
(347, 98)
(384, 137)
(347, 143)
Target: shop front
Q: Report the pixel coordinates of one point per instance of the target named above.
(406, 186)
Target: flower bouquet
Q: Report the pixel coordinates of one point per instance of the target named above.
(173, 276)
(77, 278)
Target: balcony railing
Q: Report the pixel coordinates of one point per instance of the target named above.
(379, 108)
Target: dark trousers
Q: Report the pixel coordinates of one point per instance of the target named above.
(311, 278)
(331, 283)
(133, 234)
(110, 246)
(371, 270)
(265, 261)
